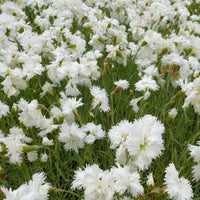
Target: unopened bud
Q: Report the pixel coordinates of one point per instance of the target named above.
(113, 68)
(2, 173)
(117, 90)
(150, 181)
(29, 148)
(41, 106)
(172, 113)
(132, 94)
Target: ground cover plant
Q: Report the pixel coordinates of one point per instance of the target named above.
(99, 100)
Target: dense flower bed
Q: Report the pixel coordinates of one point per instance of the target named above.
(99, 100)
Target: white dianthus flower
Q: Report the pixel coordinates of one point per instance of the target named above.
(151, 71)
(126, 181)
(97, 184)
(72, 136)
(177, 188)
(34, 189)
(14, 82)
(195, 153)
(146, 143)
(56, 112)
(93, 132)
(32, 156)
(71, 89)
(47, 126)
(146, 83)
(192, 92)
(140, 141)
(134, 103)
(31, 65)
(103, 185)
(14, 143)
(47, 87)
(100, 98)
(69, 105)
(31, 115)
(47, 142)
(123, 84)
(44, 157)
(118, 134)
(4, 109)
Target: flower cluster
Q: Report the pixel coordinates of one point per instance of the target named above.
(99, 184)
(34, 189)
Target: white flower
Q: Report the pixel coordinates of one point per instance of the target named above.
(69, 105)
(195, 153)
(47, 142)
(4, 109)
(31, 65)
(31, 115)
(151, 71)
(34, 189)
(90, 68)
(147, 95)
(93, 132)
(44, 157)
(97, 184)
(146, 143)
(72, 136)
(47, 87)
(47, 126)
(146, 83)
(112, 50)
(100, 98)
(32, 156)
(177, 188)
(123, 84)
(56, 112)
(102, 185)
(154, 40)
(118, 134)
(196, 172)
(134, 103)
(150, 180)
(122, 154)
(14, 82)
(140, 141)
(172, 113)
(14, 143)
(78, 44)
(192, 92)
(71, 89)
(126, 181)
